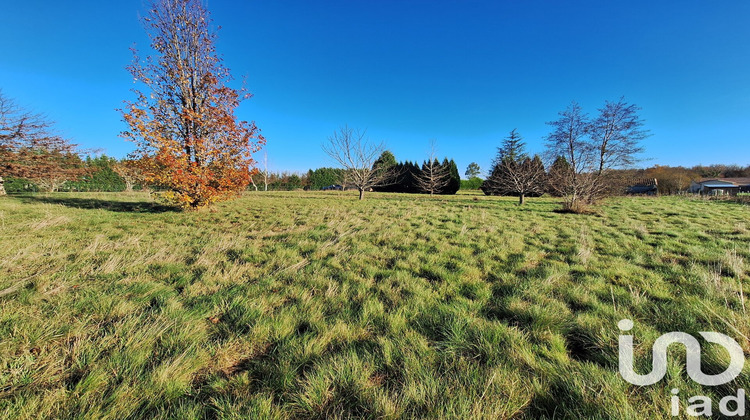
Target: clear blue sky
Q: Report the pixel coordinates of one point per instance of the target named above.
(464, 73)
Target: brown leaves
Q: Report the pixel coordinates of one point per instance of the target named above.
(30, 149)
(187, 136)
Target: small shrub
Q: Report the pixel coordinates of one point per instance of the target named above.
(471, 184)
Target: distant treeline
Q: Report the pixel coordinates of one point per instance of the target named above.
(676, 179)
(405, 178)
(103, 174)
(670, 179)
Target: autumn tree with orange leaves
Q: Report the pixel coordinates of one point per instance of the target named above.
(188, 140)
(30, 148)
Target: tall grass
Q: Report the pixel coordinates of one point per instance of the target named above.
(317, 305)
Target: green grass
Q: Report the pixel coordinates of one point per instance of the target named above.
(317, 305)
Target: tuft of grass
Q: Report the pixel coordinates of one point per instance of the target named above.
(316, 305)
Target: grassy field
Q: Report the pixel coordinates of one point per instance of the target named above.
(317, 305)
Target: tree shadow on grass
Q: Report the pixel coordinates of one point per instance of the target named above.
(110, 205)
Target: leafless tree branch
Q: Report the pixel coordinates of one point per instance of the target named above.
(357, 154)
(433, 177)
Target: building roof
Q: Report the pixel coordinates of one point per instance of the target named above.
(722, 182)
(643, 186)
(644, 182)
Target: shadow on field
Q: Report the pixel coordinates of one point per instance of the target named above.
(111, 205)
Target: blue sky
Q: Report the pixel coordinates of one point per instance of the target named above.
(463, 73)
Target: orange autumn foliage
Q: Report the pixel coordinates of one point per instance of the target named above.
(30, 149)
(189, 142)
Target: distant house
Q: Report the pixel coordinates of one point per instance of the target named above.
(647, 186)
(720, 186)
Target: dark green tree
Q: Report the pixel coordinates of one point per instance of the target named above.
(385, 160)
(455, 178)
(386, 166)
(101, 176)
(294, 182)
(323, 177)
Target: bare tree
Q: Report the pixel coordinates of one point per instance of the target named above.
(18, 124)
(433, 177)
(354, 151)
(259, 175)
(265, 170)
(514, 172)
(592, 149)
(616, 135)
(577, 185)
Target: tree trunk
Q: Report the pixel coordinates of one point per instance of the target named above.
(521, 199)
(361, 193)
(2, 187)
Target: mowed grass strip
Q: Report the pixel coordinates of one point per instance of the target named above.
(317, 305)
